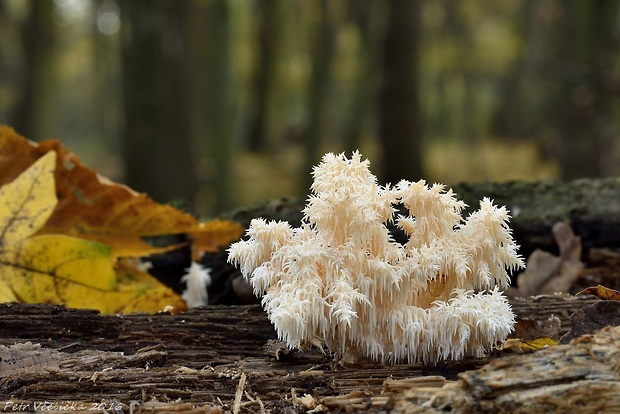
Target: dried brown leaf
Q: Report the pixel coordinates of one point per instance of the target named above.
(601, 292)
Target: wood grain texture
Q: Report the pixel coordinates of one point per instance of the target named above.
(198, 357)
(582, 377)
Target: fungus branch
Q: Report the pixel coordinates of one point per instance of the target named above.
(340, 281)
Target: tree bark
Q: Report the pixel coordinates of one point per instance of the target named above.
(54, 354)
(591, 206)
(583, 377)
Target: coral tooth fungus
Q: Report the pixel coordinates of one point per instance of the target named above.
(340, 281)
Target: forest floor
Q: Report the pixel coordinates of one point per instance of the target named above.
(226, 358)
(222, 359)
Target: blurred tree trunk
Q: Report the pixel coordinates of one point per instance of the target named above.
(106, 68)
(368, 17)
(463, 103)
(400, 132)
(158, 89)
(511, 119)
(31, 115)
(219, 101)
(322, 54)
(8, 27)
(268, 33)
(585, 120)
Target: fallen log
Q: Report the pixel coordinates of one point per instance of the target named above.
(51, 354)
(591, 206)
(583, 377)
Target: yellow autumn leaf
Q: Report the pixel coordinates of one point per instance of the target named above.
(537, 344)
(59, 269)
(520, 345)
(49, 268)
(56, 268)
(156, 300)
(131, 246)
(213, 235)
(6, 293)
(95, 208)
(28, 201)
(32, 191)
(151, 295)
(91, 207)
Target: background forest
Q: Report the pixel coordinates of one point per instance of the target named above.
(226, 102)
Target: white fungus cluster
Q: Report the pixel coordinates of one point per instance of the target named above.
(340, 281)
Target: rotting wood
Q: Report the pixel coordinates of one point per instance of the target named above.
(541, 308)
(199, 357)
(193, 339)
(591, 206)
(583, 377)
